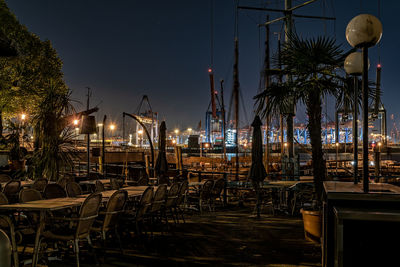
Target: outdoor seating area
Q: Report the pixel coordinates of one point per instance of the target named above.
(92, 217)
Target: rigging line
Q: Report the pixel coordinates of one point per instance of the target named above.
(243, 106)
(212, 34)
(379, 44)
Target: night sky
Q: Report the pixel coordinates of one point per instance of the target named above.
(124, 49)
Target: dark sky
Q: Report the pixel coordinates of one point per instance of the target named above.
(123, 49)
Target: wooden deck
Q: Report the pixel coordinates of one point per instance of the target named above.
(229, 237)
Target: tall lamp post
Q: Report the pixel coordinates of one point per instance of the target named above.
(353, 66)
(364, 31)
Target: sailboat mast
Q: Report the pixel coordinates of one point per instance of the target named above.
(267, 81)
(236, 99)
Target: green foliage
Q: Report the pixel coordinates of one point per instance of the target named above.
(17, 131)
(54, 141)
(314, 70)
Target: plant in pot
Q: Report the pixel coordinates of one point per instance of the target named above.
(313, 72)
(16, 133)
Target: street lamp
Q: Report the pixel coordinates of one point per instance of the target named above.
(76, 122)
(353, 65)
(364, 31)
(140, 133)
(23, 116)
(337, 156)
(112, 128)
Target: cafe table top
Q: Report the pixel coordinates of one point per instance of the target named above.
(45, 204)
(92, 182)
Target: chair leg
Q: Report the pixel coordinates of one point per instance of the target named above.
(119, 240)
(13, 241)
(76, 246)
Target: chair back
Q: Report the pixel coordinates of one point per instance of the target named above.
(40, 184)
(73, 189)
(99, 186)
(116, 183)
(115, 206)
(159, 198)
(143, 181)
(3, 199)
(172, 196)
(5, 250)
(144, 204)
(163, 179)
(11, 190)
(182, 192)
(87, 214)
(218, 187)
(63, 181)
(205, 192)
(54, 191)
(29, 194)
(4, 178)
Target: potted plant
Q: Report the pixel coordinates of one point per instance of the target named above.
(16, 133)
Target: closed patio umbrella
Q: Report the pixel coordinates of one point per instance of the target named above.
(161, 167)
(257, 171)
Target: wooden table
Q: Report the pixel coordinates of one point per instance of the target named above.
(93, 182)
(42, 207)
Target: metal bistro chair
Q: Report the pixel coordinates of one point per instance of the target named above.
(7, 224)
(116, 183)
(110, 217)
(40, 184)
(180, 200)
(5, 250)
(73, 189)
(157, 204)
(217, 191)
(81, 226)
(54, 191)
(11, 190)
(172, 197)
(4, 178)
(144, 181)
(29, 194)
(63, 181)
(204, 197)
(142, 208)
(99, 186)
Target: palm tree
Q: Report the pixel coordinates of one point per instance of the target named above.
(313, 68)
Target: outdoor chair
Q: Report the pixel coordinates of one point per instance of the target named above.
(157, 204)
(108, 219)
(73, 189)
(163, 179)
(63, 181)
(5, 250)
(7, 224)
(29, 194)
(180, 200)
(40, 184)
(77, 229)
(204, 197)
(217, 191)
(54, 191)
(4, 178)
(116, 183)
(170, 203)
(137, 215)
(11, 190)
(99, 186)
(143, 181)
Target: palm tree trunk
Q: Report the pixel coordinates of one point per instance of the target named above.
(314, 110)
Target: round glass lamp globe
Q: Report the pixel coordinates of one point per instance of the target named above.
(364, 30)
(353, 64)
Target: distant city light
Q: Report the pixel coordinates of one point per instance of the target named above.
(379, 65)
(140, 132)
(99, 124)
(176, 131)
(112, 127)
(174, 141)
(379, 144)
(76, 122)
(23, 116)
(285, 144)
(209, 70)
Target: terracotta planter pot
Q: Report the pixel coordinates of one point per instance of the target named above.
(312, 220)
(17, 165)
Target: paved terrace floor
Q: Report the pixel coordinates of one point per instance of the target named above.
(232, 237)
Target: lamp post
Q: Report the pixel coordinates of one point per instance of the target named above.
(112, 128)
(337, 156)
(364, 31)
(353, 66)
(176, 135)
(23, 117)
(140, 132)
